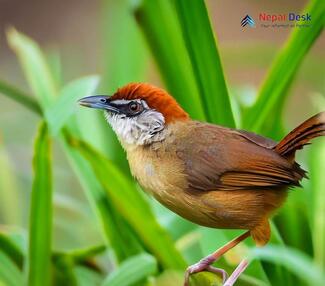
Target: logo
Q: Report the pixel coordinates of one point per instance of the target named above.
(279, 20)
(284, 17)
(247, 20)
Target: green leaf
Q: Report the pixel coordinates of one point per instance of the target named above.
(42, 83)
(294, 261)
(132, 271)
(276, 273)
(9, 272)
(34, 65)
(19, 96)
(168, 278)
(158, 21)
(317, 190)
(9, 191)
(9, 247)
(125, 60)
(121, 63)
(66, 104)
(317, 180)
(82, 255)
(40, 222)
(133, 207)
(54, 64)
(274, 89)
(205, 60)
(87, 277)
(113, 227)
(64, 274)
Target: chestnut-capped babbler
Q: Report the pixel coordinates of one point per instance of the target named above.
(211, 175)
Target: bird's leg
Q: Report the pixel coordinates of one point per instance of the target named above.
(205, 263)
(234, 276)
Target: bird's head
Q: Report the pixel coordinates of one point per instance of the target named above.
(139, 113)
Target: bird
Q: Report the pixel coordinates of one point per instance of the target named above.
(211, 175)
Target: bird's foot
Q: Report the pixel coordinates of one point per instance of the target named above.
(204, 265)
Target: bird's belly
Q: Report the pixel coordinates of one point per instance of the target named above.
(241, 209)
(238, 209)
(230, 210)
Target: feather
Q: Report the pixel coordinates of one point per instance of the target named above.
(155, 97)
(301, 135)
(231, 160)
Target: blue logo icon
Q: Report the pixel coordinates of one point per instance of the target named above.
(247, 20)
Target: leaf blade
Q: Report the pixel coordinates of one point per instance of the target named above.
(205, 60)
(295, 261)
(19, 96)
(9, 272)
(9, 248)
(34, 65)
(58, 114)
(109, 220)
(134, 209)
(158, 21)
(40, 228)
(280, 76)
(132, 271)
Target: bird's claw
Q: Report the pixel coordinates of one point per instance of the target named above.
(204, 265)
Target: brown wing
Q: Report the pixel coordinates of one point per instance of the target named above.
(219, 158)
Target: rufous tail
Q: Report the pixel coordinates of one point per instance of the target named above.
(301, 135)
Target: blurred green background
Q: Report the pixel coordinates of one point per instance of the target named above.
(77, 217)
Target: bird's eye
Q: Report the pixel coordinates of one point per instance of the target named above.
(135, 107)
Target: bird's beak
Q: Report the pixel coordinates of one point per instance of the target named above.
(99, 102)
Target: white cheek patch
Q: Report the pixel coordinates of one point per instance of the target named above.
(143, 129)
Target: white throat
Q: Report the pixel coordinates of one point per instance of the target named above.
(143, 129)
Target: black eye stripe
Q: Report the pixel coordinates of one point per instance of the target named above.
(130, 109)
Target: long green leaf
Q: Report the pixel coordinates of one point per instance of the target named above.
(276, 273)
(296, 262)
(8, 188)
(317, 167)
(65, 106)
(64, 274)
(133, 207)
(65, 262)
(40, 222)
(283, 70)
(42, 83)
(109, 220)
(317, 190)
(205, 60)
(158, 20)
(82, 255)
(19, 96)
(35, 67)
(9, 272)
(87, 277)
(132, 271)
(9, 248)
(116, 232)
(121, 65)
